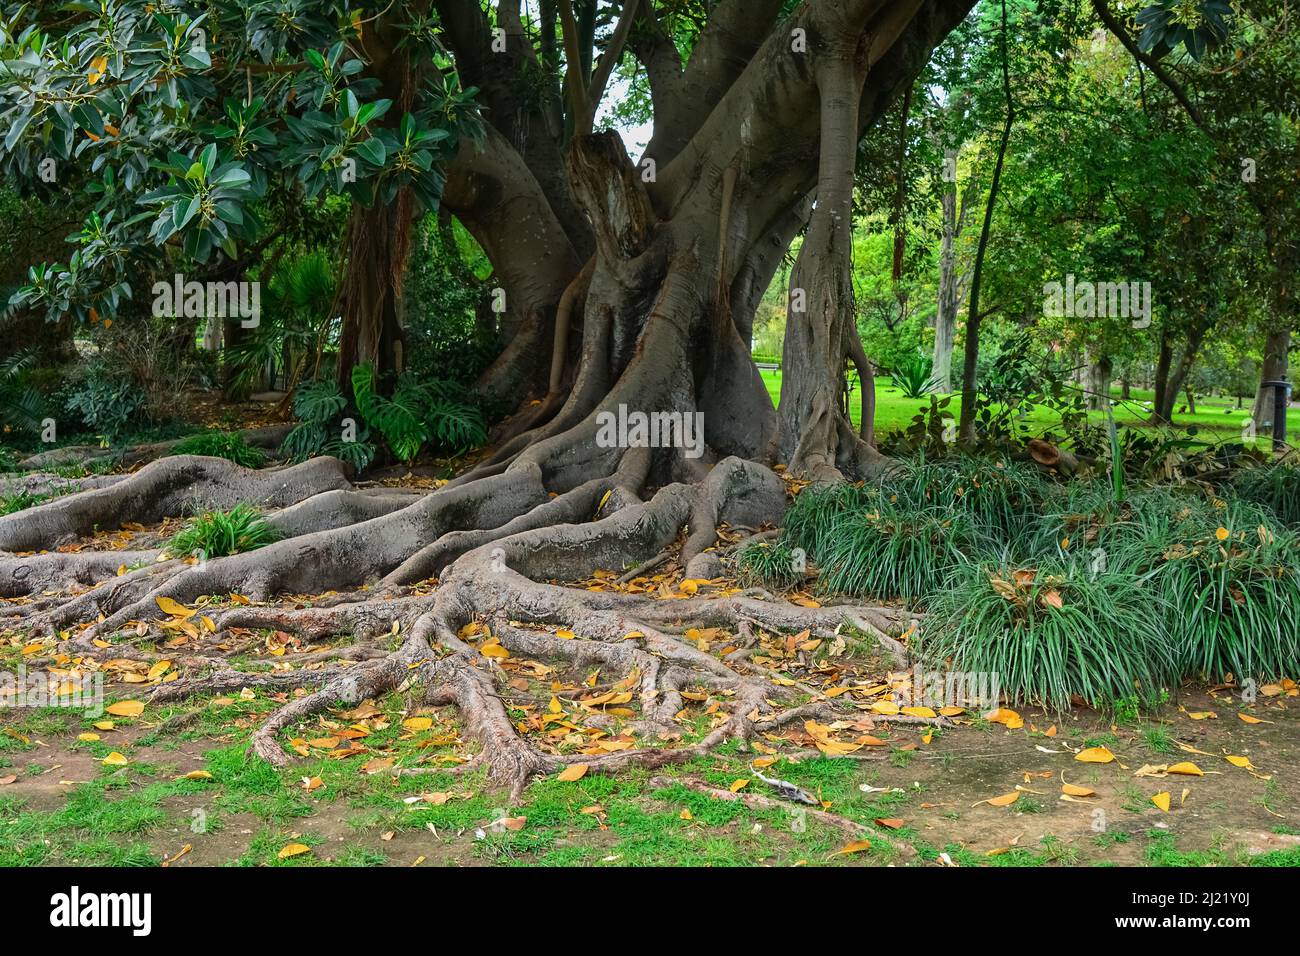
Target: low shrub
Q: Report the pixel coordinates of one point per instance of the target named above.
(812, 518)
(771, 564)
(1047, 633)
(228, 445)
(107, 403)
(1002, 496)
(897, 551)
(320, 407)
(1274, 486)
(1231, 587)
(913, 374)
(216, 534)
(1083, 524)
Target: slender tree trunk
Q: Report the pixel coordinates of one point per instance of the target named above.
(945, 320)
(1161, 384)
(1177, 376)
(966, 428)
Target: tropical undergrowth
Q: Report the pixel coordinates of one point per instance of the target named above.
(216, 444)
(419, 415)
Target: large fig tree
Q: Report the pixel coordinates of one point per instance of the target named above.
(629, 290)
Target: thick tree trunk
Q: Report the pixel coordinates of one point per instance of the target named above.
(1273, 369)
(1099, 372)
(814, 436)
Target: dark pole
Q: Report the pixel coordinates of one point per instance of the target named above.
(1281, 391)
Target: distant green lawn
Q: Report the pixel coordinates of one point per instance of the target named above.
(894, 412)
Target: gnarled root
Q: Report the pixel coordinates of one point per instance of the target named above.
(632, 636)
(165, 488)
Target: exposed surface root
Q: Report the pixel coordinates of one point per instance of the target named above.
(225, 681)
(39, 572)
(361, 619)
(322, 560)
(268, 438)
(493, 542)
(44, 483)
(167, 488)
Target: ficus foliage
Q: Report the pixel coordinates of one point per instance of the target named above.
(179, 117)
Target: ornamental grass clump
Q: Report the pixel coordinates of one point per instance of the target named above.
(1047, 633)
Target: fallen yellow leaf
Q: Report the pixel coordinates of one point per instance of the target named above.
(1003, 801)
(1095, 755)
(174, 608)
(857, 846)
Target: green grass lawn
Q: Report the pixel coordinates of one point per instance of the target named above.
(894, 411)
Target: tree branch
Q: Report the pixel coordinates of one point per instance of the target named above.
(608, 61)
(1114, 25)
(573, 79)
